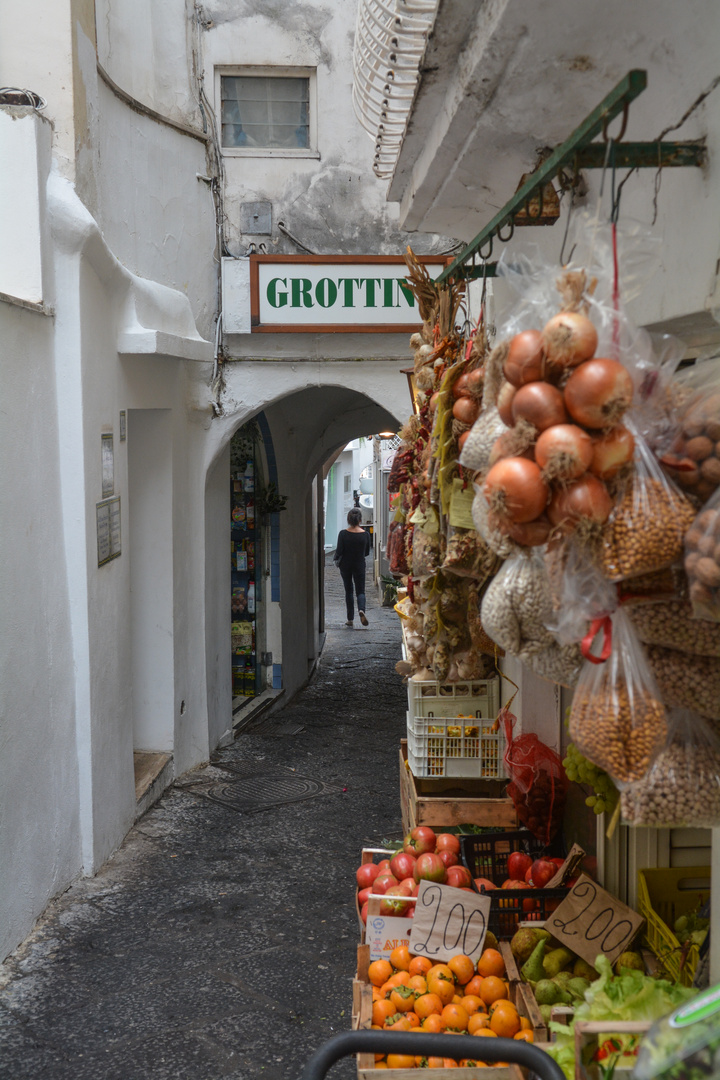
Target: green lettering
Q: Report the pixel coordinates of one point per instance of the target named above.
(389, 292)
(301, 292)
(348, 284)
(277, 299)
(406, 291)
(326, 292)
(370, 284)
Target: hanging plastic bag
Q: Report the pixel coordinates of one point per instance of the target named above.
(646, 529)
(538, 784)
(617, 718)
(684, 1045)
(475, 454)
(682, 789)
(691, 452)
(702, 561)
(517, 604)
(671, 624)
(687, 682)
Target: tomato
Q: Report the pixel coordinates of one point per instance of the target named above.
(402, 865)
(366, 874)
(382, 883)
(447, 842)
(449, 858)
(541, 871)
(363, 895)
(364, 912)
(429, 867)
(458, 876)
(394, 902)
(518, 864)
(420, 840)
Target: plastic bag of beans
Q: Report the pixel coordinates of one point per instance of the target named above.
(702, 561)
(617, 717)
(685, 681)
(682, 788)
(647, 527)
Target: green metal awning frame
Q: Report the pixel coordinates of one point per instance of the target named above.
(578, 152)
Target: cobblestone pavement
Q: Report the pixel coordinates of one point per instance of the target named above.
(218, 944)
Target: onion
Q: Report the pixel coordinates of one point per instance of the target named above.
(540, 404)
(515, 490)
(611, 452)
(476, 381)
(585, 498)
(466, 410)
(434, 401)
(531, 533)
(508, 445)
(598, 393)
(460, 387)
(504, 403)
(568, 339)
(463, 439)
(525, 361)
(564, 451)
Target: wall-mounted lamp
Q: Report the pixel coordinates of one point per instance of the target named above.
(386, 434)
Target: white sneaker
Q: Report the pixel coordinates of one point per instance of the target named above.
(349, 623)
(363, 618)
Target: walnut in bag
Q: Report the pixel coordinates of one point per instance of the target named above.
(617, 718)
(682, 788)
(702, 561)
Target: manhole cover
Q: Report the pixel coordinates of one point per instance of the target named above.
(260, 791)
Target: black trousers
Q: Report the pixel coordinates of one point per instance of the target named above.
(354, 575)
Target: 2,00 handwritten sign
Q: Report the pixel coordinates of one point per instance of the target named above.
(448, 921)
(591, 921)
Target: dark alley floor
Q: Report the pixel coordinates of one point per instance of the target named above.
(217, 944)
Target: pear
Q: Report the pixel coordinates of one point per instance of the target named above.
(585, 970)
(525, 941)
(577, 987)
(631, 960)
(562, 979)
(532, 970)
(546, 992)
(491, 942)
(546, 1013)
(556, 960)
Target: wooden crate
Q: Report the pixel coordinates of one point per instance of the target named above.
(521, 994)
(452, 801)
(362, 1019)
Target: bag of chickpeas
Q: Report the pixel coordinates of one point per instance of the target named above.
(682, 789)
(646, 529)
(617, 717)
(702, 561)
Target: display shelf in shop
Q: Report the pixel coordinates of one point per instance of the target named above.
(463, 746)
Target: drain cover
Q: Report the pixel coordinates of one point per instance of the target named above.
(262, 790)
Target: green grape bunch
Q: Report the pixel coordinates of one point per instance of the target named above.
(582, 771)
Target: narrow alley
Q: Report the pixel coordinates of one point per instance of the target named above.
(217, 943)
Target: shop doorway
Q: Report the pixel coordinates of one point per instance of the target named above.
(246, 564)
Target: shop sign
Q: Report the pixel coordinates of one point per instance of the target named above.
(334, 294)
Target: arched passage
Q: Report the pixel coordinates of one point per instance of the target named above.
(304, 427)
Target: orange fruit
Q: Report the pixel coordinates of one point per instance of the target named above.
(456, 999)
(432, 1062)
(441, 988)
(505, 1023)
(400, 978)
(381, 1010)
(433, 1024)
(478, 1020)
(381, 1065)
(414, 1020)
(492, 989)
(400, 958)
(427, 1004)
(471, 1003)
(525, 1024)
(455, 1017)
(443, 971)
(379, 972)
(377, 994)
(485, 1031)
(403, 998)
(420, 965)
(491, 963)
(470, 1063)
(418, 984)
(473, 987)
(462, 968)
(398, 1023)
(500, 1003)
(401, 1061)
(449, 1063)
(524, 1035)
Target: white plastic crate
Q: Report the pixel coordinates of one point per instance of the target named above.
(457, 746)
(471, 697)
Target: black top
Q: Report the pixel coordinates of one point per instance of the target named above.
(351, 548)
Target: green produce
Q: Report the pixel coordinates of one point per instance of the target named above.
(547, 992)
(582, 771)
(525, 941)
(585, 970)
(631, 960)
(577, 987)
(556, 960)
(532, 970)
(685, 1045)
(691, 928)
(630, 996)
(563, 978)
(546, 1012)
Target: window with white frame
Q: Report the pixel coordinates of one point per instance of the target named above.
(266, 112)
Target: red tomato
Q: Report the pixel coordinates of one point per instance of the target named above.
(420, 840)
(383, 882)
(458, 876)
(447, 842)
(449, 858)
(363, 895)
(518, 864)
(366, 874)
(430, 867)
(402, 865)
(541, 871)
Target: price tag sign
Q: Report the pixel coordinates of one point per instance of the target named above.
(591, 921)
(448, 921)
(384, 933)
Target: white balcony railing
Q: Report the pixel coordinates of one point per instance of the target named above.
(390, 39)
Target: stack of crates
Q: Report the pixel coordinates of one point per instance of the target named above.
(452, 729)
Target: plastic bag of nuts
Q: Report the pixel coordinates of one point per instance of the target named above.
(647, 527)
(687, 682)
(617, 718)
(683, 785)
(702, 561)
(693, 459)
(671, 623)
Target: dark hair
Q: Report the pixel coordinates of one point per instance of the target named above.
(354, 516)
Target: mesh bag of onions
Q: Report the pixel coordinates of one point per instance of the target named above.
(538, 784)
(617, 718)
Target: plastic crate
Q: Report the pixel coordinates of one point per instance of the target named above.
(472, 697)
(486, 855)
(664, 895)
(455, 746)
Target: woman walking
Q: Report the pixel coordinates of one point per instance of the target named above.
(353, 544)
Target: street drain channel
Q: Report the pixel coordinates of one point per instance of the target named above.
(251, 793)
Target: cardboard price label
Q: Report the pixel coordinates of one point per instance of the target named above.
(448, 921)
(383, 933)
(591, 921)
